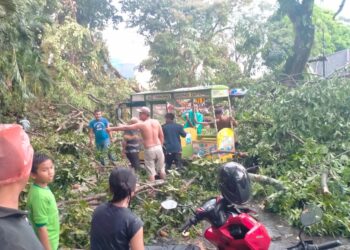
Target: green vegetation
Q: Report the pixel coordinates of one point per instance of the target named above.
(296, 135)
(55, 69)
(46, 53)
(280, 39)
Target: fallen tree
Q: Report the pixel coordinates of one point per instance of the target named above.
(99, 198)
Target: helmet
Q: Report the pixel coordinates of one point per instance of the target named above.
(234, 183)
(16, 154)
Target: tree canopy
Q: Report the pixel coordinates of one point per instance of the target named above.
(46, 52)
(95, 14)
(280, 38)
(55, 68)
(184, 40)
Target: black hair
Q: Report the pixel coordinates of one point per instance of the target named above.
(170, 116)
(97, 110)
(122, 182)
(218, 111)
(37, 160)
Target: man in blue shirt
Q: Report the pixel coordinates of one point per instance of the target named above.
(98, 128)
(172, 132)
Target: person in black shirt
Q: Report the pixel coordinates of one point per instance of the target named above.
(172, 132)
(113, 225)
(16, 155)
(131, 145)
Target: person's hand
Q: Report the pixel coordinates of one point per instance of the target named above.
(108, 129)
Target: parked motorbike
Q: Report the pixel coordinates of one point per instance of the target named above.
(309, 216)
(235, 228)
(232, 227)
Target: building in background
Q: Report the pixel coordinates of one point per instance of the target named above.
(336, 64)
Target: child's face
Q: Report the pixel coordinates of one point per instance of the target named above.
(45, 173)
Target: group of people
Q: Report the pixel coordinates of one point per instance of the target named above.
(161, 143)
(114, 226)
(125, 229)
(153, 136)
(162, 146)
(17, 163)
(196, 120)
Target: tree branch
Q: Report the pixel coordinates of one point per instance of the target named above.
(324, 184)
(291, 134)
(94, 99)
(339, 9)
(91, 199)
(267, 180)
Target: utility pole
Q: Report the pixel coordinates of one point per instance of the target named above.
(323, 55)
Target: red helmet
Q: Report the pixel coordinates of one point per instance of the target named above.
(16, 154)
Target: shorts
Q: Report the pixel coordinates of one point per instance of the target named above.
(154, 160)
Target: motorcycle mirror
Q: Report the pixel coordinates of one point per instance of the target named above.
(169, 204)
(310, 215)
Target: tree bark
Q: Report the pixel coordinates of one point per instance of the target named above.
(300, 15)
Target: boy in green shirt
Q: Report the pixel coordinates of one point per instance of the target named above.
(43, 212)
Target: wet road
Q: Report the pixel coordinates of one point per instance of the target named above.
(284, 236)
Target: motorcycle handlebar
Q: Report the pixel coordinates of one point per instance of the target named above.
(323, 246)
(190, 223)
(329, 245)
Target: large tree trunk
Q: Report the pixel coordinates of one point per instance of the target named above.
(300, 15)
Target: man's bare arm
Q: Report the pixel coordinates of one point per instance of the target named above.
(91, 136)
(109, 132)
(126, 127)
(234, 122)
(206, 123)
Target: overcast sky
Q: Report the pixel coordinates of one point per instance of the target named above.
(127, 47)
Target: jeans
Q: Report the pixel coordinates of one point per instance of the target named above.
(103, 149)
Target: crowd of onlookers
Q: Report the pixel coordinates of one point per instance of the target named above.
(113, 225)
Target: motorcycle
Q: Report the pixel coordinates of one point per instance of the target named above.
(232, 228)
(235, 228)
